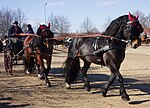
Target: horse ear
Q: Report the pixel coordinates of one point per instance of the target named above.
(129, 13)
(49, 25)
(129, 16)
(137, 16)
(40, 26)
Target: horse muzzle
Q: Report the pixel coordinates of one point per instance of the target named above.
(135, 44)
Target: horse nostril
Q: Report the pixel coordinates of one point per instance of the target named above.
(135, 46)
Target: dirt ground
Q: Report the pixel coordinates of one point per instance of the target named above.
(24, 91)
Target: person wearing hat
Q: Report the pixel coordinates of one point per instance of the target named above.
(15, 29)
(15, 41)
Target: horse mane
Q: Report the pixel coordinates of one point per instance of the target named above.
(116, 26)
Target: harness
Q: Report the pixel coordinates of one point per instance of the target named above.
(99, 50)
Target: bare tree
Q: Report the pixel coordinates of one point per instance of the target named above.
(59, 24)
(7, 17)
(87, 26)
(35, 24)
(148, 21)
(19, 16)
(144, 20)
(108, 21)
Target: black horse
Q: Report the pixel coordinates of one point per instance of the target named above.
(104, 51)
(43, 50)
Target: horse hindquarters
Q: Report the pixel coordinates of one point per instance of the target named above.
(71, 69)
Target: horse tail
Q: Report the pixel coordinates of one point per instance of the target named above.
(71, 69)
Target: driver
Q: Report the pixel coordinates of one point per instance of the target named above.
(16, 42)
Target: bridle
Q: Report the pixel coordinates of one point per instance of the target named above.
(134, 29)
(131, 22)
(43, 33)
(45, 38)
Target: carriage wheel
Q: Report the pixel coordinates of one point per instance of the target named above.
(8, 61)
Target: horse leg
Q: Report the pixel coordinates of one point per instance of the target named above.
(45, 73)
(40, 76)
(116, 74)
(84, 74)
(104, 89)
(30, 65)
(43, 70)
(48, 64)
(27, 64)
(123, 93)
(48, 70)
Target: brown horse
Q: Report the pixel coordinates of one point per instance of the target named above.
(43, 50)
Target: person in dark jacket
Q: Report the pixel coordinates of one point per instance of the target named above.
(15, 29)
(30, 29)
(15, 41)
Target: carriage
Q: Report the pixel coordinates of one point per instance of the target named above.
(11, 57)
(14, 53)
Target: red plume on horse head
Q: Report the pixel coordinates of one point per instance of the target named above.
(44, 26)
(132, 18)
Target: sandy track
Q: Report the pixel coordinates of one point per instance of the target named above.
(22, 91)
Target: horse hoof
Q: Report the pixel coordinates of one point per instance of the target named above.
(125, 98)
(88, 89)
(48, 84)
(27, 72)
(103, 94)
(67, 86)
(40, 77)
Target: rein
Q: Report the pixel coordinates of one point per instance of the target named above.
(130, 22)
(76, 36)
(23, 34)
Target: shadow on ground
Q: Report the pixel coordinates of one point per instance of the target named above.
(8, 104)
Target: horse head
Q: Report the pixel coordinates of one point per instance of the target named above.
(44, 31)
(132, 30)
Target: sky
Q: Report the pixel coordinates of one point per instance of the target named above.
(98, 11)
